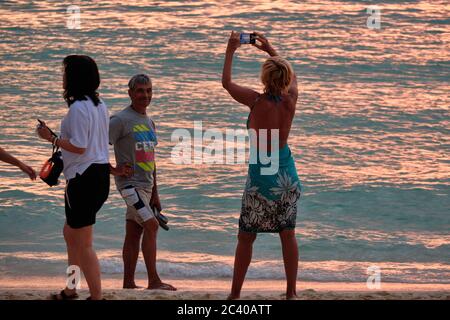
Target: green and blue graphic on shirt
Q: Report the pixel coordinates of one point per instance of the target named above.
(145, 147)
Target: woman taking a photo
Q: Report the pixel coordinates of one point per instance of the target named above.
(84, 145)
(269, 203)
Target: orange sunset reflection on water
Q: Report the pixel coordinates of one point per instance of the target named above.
(370, 136)
(400, 104)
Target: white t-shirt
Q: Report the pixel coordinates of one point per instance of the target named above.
(86, 126)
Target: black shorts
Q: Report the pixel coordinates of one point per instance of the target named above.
(85, 195)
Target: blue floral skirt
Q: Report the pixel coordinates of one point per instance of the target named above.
(269, 203)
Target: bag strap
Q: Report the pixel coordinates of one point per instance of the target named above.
(54, 148)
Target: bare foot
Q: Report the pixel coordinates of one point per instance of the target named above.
(131, 286)
(161, 286)
(291, 296)
(232, 297)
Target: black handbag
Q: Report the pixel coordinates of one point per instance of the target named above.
(52, 168)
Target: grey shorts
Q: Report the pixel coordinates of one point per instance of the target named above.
(144, 214)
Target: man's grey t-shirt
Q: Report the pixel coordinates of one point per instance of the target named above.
(134, 139)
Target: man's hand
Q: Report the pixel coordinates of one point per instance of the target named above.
(154, 201)
(122, 170)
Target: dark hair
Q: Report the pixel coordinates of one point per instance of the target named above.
(82, 79)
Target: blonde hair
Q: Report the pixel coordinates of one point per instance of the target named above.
(276, 75)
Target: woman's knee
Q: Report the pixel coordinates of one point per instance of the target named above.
(79, 238)
(69, 235)
(288, 235)
(247, 237)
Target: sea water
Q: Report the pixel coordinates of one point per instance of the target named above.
(370, 136)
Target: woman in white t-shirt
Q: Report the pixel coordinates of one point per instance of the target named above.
(84, 145)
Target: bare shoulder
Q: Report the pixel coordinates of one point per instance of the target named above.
(291, 101)
(242, 94)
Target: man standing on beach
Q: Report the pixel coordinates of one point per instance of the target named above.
(133, 135)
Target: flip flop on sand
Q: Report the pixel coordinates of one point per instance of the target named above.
(162, 286)
(63, 296)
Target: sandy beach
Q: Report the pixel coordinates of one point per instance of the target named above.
(39, 288)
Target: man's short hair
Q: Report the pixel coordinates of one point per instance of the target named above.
(138, 79)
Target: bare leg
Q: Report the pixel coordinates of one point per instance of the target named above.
(130, 253)
(72, 254)
(290, 257)
(149, 252)
(242, 260)
(82, 238)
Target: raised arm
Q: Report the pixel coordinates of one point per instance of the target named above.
(267, 47)
(239, 93)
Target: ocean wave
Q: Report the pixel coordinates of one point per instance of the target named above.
(190, 265)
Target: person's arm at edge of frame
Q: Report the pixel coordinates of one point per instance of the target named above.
(8, 158)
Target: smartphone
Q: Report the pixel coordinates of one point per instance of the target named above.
(248, 38)
(42, 124)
